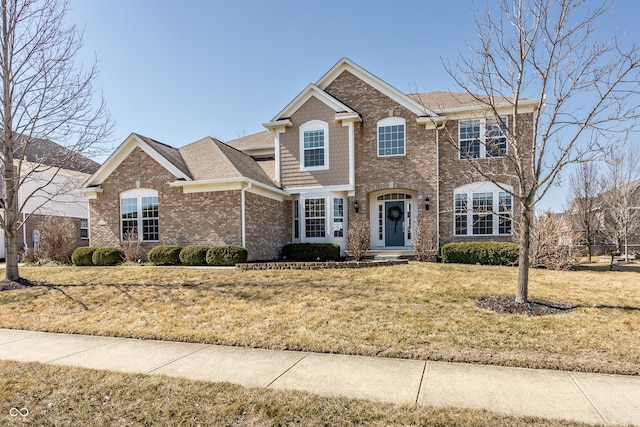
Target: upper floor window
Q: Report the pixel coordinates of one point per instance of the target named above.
(482, 138)
(139, 215)
(482, 209)
(391, 137)
(314, 145)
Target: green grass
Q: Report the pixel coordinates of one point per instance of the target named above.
(57, 396)
(420, 311)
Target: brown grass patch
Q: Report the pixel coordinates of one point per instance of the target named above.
(420, 310)
(56, 395)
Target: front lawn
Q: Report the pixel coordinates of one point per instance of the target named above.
(420, 310)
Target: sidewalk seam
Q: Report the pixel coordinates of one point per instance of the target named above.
(176, 359)
(287, 370)
(81, 351)
(593, 405)
(422, 378)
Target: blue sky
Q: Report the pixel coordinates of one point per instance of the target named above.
(179, 71)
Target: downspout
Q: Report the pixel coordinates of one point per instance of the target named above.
(244, 214)
(438, 186)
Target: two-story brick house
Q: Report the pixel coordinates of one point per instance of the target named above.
(349, 145)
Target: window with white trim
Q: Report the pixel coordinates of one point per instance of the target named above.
(314, 145)
(482, 138)
(84, 228)
(314, 215)
(338, 217)
(482, 209)
(296, 219)
(391, 137)
(139, 215)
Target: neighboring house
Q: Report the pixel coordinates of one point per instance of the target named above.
(349, 145)
(51, 175)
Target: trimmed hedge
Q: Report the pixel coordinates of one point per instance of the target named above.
(108, 256)
(194, 255)
(311, 252)
(226, 255)
(82, 256)
(165, 255)
(485, 253)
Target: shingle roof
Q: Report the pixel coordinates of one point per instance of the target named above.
(260, 139)
(445, 100)
(46, 152)
(168, 152)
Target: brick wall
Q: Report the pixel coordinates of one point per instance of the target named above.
(268, 226)
(33, 223)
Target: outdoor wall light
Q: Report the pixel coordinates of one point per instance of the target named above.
(426, 203)
(356, 205)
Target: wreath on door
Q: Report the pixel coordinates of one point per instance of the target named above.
(394, 213)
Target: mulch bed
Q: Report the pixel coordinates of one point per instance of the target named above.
(535, 307)
(9, 285)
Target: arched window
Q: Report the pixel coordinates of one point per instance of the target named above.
(139, 215)
(314, 145)
(391, 137)
(483, 209)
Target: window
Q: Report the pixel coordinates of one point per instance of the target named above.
(391, 137)
(314, 214)
(139, 215)
(296, 219)
(482, 138)
(84, 228)
(338, 217)
(482, 209)
(314, 153)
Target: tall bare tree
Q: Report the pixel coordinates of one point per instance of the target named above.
(44, 96)
(621, 198)
(548, 50)
(585, 186)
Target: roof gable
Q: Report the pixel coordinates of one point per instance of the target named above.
(385, 88)
(167, 156)
(312, 91)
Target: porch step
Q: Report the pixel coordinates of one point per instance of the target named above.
(382, 255)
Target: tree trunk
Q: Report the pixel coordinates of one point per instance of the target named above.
(11, 246)
(589, 253)
(522, 293)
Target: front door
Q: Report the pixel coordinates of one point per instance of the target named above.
(394, 223)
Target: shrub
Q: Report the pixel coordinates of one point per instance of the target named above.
(311, 252)
(358, 238)
(83, 256)
(107, 256)
(57, 238)
(194, 255)
(637, 255)
(485, 253)
(131, 246)
(165, 255)
(226, 255)
(424, 239)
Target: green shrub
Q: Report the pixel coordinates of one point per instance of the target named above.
(194, 255)
(311, 252)
(226, 255)
(165, 255)
(485, 253)
(637, 255)
(108, 256)
(82, 256)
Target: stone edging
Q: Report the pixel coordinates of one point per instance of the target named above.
(316, 265)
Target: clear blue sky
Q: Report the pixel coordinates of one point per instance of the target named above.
(179, 71)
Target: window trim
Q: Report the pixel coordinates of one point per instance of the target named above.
(337, 215)
(139, 194)
(482, 139)
(497, 213)
(387, 122)
(307, 218)
(86, 227)
(310, 126)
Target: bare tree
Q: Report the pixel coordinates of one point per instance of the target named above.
(621, 198)
(547, 50)
(553, 242)
(585, 186)
(45, 97)
(358, 238)
(424, 238)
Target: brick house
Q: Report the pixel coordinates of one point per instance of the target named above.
(348, 146)
(50, 177)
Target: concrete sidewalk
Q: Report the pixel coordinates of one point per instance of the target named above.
(595, 398)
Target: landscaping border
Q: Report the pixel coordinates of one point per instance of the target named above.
(288, 265)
